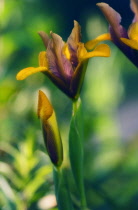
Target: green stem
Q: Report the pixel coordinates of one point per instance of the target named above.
(76, 150)
(62, 191)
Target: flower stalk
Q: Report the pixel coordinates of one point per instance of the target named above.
(76, 150)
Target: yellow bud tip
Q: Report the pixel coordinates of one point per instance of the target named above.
(45, 108)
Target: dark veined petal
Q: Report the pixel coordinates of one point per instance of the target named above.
(112, 17)
(58, 63)
(134, 7)
(52, 60)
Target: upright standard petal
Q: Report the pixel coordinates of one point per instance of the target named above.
(50, 129)
(72, 42)
(75, 36)
(113, 18)
(45, 38)
(58, 63)
(134, 7)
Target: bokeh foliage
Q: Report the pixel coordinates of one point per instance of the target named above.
(111, 146)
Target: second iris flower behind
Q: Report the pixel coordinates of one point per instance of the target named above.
(125, 40)
(65, 63)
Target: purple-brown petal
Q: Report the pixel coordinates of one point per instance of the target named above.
(112, 17)
(77, 79)
(58, 82)
(73, 40)
(58, 63)
(128, 51)
(45, 38)
(134, 8)
(75, 36)
(52, 62)
(117, 31)
(115, 38)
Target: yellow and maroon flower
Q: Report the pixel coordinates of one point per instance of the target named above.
(127, 41)
(65, 63)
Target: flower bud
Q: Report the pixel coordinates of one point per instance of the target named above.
(50, 129)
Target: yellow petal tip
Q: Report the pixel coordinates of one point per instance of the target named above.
(24, 73)
(45, 108)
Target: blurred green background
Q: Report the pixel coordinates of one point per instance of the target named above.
(110, 103)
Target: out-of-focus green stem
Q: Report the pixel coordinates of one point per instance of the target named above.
(76, 150)
(62, 189)
(62, 181)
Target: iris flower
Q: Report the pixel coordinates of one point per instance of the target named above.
(50, 129)
(65, 63)
(127, 41)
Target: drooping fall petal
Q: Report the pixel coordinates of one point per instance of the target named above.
(24, 73)
(102, 50)
(92, 43)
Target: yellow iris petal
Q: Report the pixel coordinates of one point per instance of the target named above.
(131, 43)
(24, 73)
(42, 59)
(92, 43)
(101, 50)
(133, 31)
